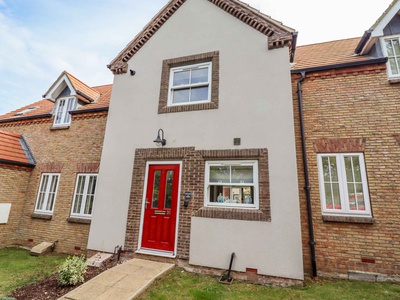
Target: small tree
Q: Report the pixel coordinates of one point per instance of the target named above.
(72, 270)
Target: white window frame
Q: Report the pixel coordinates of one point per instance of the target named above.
(46, 192)
(171, 88)
(255, 184)
(65, 117)
(343, 190)
(85, 195)
(385, 52)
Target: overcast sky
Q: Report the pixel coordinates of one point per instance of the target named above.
(41, 38)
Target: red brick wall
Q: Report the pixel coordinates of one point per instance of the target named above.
(71, 151)
(193, 170)
(357, 104)
(13, 185)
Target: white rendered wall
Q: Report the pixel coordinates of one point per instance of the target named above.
(255, 105)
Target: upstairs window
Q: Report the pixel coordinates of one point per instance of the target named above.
(392, 49)
(190, 84)
(343, 184)
(85, 189)
(232, 184)
(63, 107)
(47, 193)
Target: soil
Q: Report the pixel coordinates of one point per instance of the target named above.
(48, 289)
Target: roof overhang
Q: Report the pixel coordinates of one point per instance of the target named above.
(372, 35)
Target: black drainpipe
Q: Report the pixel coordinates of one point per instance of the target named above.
(311, 242)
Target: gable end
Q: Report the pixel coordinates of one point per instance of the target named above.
(278, 35)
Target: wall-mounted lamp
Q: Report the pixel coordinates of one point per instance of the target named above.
(160, 141)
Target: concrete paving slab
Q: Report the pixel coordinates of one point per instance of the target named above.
(123, 282)
(41, 249)
(88, 291)
(110, 278)
(116, 293)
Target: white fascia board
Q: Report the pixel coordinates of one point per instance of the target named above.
(378, 30)
(55, 90)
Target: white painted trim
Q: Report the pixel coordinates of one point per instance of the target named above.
(67, 99)
(378, 31)
(158, 252)
(343, 192)
(56, 88)
(46, 197)
(256, 183)
(385, 53)
(193, 66)
(83, 204)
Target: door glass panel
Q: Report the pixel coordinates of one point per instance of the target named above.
(168, 192)
(156, 189)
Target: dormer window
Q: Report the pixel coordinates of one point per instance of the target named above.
(392, 49)
(64, 105)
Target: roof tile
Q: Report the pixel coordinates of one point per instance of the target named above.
(45, 106)
(11, 149)
(326, 54)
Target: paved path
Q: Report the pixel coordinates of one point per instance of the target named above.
(125, 281)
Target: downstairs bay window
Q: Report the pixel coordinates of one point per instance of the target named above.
(343, 185)
(231, 184)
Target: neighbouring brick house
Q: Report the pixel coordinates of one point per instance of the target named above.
(214, 88)
(50, 199)
(16, 164)
(350, 97)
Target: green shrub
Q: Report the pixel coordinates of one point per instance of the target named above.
(72, 270)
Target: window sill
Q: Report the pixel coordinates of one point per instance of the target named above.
(59, 127)
(41, 216)
(232, 214)
(348, 219)
(394, 80)
(79, 220)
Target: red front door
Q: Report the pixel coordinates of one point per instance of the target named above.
(160, 212)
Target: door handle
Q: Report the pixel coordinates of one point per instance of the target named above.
(147, 202)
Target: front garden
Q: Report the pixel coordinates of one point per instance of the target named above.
(29, 277)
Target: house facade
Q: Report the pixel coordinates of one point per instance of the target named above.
(50, 198)
(215, 92)
(348, 94)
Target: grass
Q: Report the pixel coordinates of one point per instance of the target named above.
(18, 268)
(183, 285)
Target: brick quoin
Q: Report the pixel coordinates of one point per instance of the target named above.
(356, 110)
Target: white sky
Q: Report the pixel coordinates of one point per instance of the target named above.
(41, 38)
